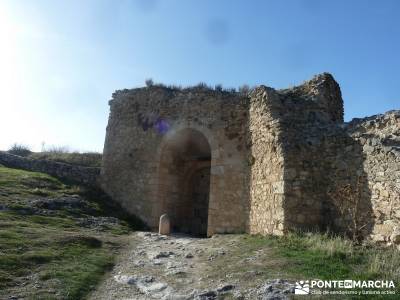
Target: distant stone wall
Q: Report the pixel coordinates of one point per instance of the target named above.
(83, 175)
(379, 139)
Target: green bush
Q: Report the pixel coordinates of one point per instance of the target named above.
(20, 149)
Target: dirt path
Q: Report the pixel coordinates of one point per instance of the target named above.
(181, 267)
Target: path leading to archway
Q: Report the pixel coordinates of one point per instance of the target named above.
(182, 267)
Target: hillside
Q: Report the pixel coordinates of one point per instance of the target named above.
(90, 159)
(56, 239)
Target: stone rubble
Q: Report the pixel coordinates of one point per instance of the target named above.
(157, 268)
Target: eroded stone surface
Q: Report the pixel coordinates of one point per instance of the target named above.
(379, 137)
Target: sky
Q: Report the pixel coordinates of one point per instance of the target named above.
(60, 61)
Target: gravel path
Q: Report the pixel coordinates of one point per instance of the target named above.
(181, 267)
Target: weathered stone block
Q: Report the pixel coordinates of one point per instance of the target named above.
(164, 225)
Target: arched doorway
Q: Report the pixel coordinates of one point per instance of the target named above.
(184, 181)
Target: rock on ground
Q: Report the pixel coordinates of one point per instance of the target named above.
(179, 267)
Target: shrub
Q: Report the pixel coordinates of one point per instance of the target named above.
(149, 82)
(386, 262)
(57, 149)
(330, 244)
(174, 87)
(160, 85)
(20, 149)
(244, 89)
(219, 87)
(202, 85)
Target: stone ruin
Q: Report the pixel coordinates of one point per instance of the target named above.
(264, 161)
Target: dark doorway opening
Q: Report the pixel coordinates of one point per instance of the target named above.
(184, 183)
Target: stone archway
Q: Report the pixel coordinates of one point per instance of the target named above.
(184, 181)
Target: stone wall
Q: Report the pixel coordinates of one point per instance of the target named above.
(306, 119)
(379, 139)
(266, 185)
(319, 157)
(308, 171)
(147, 129)
(279, 160)
(346, 206)
(82, 175)
(296, 141)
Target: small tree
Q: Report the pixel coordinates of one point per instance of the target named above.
(57, 149)
(20, 149)
(202, 85)
(244, 89)
(219, 87)
(348, 198)
(149, 82)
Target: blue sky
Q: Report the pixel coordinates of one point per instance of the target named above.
(60, 61)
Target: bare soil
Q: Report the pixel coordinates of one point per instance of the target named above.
(182, 267)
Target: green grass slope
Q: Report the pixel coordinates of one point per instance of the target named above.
(56, 239)
(90, 159)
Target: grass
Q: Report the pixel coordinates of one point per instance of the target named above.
(42, 254)
(89, 159)
(50, 256)
(325, 257)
